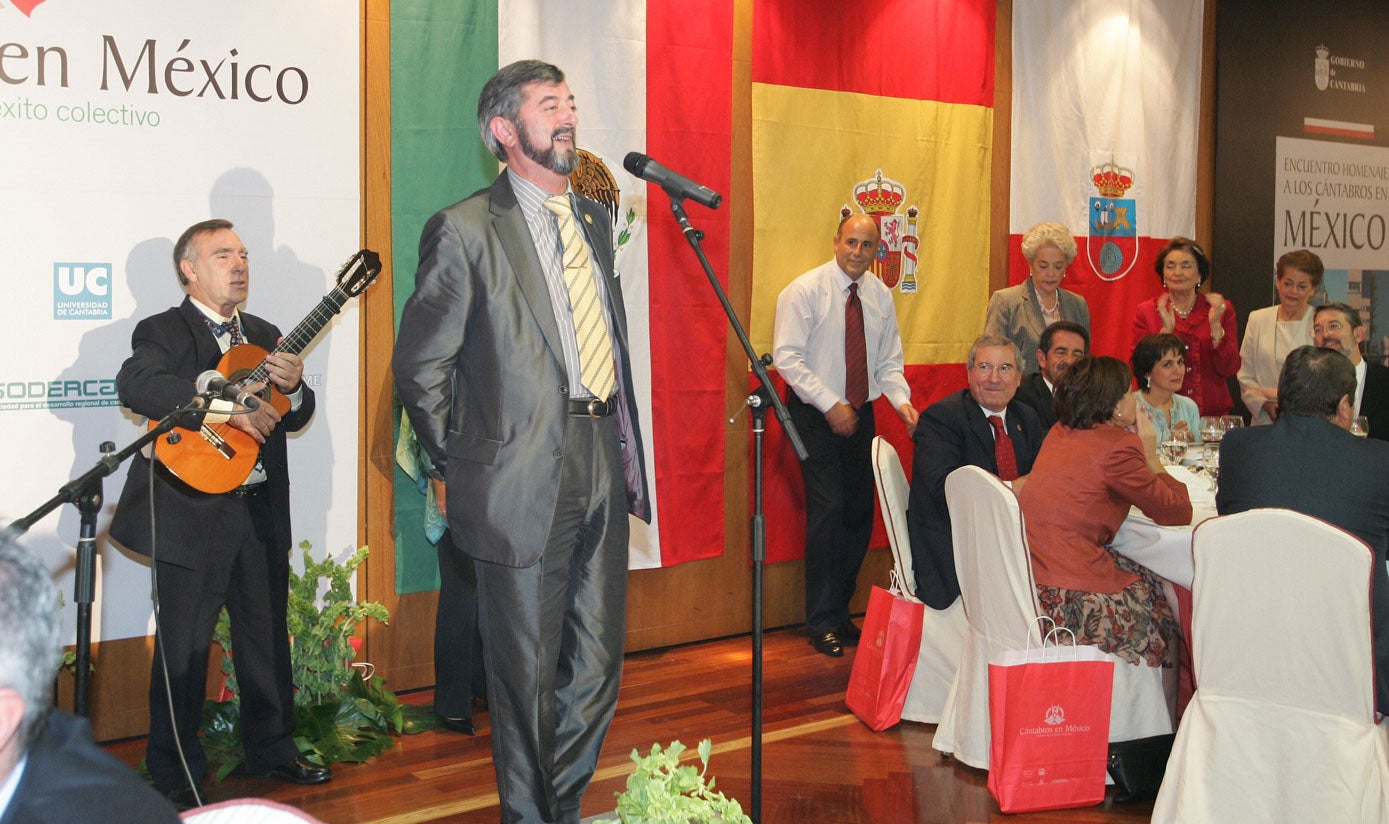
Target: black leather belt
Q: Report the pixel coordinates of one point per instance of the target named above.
(593, 408)
(247, 491)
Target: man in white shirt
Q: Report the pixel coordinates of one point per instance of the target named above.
(837, 346)
(1338, 326)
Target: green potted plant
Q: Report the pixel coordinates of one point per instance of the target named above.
(661, 790)
(338, 714)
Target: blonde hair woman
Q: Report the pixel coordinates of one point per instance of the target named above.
(1020, 313)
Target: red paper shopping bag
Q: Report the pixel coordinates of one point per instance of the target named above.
(1049, 719)
(886, 659)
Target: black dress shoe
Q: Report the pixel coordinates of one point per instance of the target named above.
(299, 771)
(183, 798)
(849, 634)
(827, 643)
(463, 725)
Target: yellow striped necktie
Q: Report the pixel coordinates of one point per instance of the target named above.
(590, 324)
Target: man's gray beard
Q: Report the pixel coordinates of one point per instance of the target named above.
(549, 158)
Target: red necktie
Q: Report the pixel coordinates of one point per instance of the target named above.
(1003, 450)
(855, 351)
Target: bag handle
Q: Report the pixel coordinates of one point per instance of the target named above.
(896, 585)
(1049, 640)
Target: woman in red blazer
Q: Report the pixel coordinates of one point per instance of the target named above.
(1093, 466)
(1204, 322)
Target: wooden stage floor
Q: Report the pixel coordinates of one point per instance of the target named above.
(820, 764)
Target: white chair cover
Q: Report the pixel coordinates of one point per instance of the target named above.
(1000, 600)
(247, 811)
(942, 631)
(1282, 726)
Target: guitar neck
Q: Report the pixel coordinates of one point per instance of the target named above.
(303, 334)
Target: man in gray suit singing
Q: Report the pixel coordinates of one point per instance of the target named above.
(513, 365)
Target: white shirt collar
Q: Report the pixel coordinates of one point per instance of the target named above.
(1360, 370)
(210, 312)
(11, 783)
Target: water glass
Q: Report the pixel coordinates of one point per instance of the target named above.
(1210, 460)
(1212, 428)
(1171, 452)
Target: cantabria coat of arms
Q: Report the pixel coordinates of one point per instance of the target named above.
(1112, 245)
(881, 198)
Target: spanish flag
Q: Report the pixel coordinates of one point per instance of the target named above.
(882, 109)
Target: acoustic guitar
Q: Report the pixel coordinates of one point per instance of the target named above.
(218, 457)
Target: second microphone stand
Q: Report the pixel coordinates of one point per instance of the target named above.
(85, 492)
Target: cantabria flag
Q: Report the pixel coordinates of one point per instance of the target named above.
(882, 109)
(1105, 109)
(649, 77)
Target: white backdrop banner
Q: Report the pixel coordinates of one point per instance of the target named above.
(122, 124)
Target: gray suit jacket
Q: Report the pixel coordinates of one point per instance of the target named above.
(1015, 314)
(480, 370)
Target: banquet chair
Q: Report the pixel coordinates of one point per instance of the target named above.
(247, 811)
(1282, 725)
(942, 631)
(1000, 599)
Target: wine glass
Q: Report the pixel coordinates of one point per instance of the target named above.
(1171, 452)
(1212, 428)
(1231, 422)
(1360, 426)
(1210, 459)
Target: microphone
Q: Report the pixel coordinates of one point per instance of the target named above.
(676, 185)
(212, 384)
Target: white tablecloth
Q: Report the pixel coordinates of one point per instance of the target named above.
(1166, 550)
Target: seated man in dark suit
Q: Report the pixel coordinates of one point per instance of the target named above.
(1062, 344)
(983, 426)
(1307, 461)
(49, 768)
(1338, 326)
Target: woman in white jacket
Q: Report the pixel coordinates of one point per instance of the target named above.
(1274, 331)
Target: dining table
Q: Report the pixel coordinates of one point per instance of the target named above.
(1166, 550)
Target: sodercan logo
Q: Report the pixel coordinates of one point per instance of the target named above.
(81, 291)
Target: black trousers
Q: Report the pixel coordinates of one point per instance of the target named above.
(246, 573)
(838, 512)
(458, 669)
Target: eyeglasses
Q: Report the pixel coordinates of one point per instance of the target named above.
(1003, 369)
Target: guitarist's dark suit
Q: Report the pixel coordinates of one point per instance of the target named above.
(211, 549)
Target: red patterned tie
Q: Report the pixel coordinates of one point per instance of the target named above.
(855, 351)
(1003, 450)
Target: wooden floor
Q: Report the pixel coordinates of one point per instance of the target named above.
(819, 763)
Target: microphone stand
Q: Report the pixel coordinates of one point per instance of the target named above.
(85, 492)
(757, 402)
